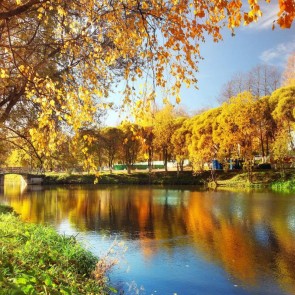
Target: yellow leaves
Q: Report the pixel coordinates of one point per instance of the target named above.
(85, 150)
(3, 74)
(234, 13)
(98, 40)
(144, 5)
(21, 68)
(61, 11)
(247, 18)
(138, 104)
(138, 71)
(41, 12)
(177, 99)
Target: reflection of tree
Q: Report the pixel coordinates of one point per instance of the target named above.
(248, 234)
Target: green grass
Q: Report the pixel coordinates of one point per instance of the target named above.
(269, 178)
(284, 186)
(65, 178)
(34, 259)
(265, 178)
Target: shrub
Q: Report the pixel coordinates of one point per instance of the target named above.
(34, 259)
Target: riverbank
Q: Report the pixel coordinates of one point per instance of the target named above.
(135, 178)
(261, 179)
(34, 259)
(268, 178)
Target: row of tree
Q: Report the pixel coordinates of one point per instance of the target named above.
(60, 59)
(241, 127)
(245, 124)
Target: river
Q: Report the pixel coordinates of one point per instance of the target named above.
(177, 240)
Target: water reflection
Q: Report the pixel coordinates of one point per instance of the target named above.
(250, 235)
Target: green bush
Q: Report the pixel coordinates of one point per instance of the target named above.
(34, 259)
(284, 186)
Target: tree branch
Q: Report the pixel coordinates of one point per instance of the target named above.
(19, 9)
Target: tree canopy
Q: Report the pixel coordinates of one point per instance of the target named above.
(63, 56)
(59, 60)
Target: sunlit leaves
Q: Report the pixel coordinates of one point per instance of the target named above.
(65, 57)
(286, 13)
(289, 73)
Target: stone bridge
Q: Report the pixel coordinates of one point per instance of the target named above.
(29, 176)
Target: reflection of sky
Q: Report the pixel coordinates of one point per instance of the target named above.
(65, 227)
(291, 219)
(262, 234)
(171, 197)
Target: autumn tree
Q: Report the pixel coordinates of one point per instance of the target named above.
(4, 152)
(83, 148)
(282, 149)
(64, 56)
(237, 134)
(289, 73)
(265, 123)
(147, 145)
(283, 103)
(17, 132)
(112, 142)
(202, 147)
(131, 143)
(180, 140)
(67, 158)
(163, 129)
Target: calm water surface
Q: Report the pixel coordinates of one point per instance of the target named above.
(178, 240)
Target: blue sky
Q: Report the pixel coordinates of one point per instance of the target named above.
(252, 45)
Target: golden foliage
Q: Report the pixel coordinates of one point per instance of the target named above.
(64, 56)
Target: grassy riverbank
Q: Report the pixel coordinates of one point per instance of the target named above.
(284, 186)
(272, 179)
(34, 259)
(139, 178)
(269, 178)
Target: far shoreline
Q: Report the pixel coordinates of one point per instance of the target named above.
(240, 179)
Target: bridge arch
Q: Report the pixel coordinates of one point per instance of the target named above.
(30, 177)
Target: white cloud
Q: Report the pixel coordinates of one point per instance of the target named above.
(278, 54)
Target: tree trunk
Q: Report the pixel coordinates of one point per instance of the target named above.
(267, 146)
(128, 168)
(181, 165)
(150, 159)
(261, 142)
(165, 158)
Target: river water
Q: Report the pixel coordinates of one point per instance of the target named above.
(168, 241)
